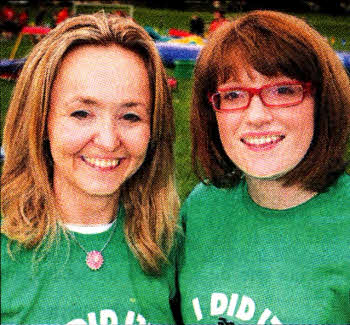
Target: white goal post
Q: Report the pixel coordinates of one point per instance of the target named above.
(87, 7)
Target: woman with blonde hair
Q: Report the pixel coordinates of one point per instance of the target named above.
(268, 229)
(88, 198)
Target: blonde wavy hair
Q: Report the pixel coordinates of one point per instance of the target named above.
(29, 212)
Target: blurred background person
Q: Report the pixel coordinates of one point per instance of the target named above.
(219, 20)
(197, 25)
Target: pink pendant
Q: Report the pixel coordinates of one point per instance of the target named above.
(94, 260)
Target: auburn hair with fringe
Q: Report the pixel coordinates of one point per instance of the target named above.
(273, 44)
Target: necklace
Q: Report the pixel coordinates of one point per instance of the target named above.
(94, 259)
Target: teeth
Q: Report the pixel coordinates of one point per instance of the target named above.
(103, 163)
(262, 140)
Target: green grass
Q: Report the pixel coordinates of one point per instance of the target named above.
(5, 92)
(162, 20)
(181, 102)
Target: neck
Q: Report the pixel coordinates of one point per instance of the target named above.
(273, 195)
(84, 209)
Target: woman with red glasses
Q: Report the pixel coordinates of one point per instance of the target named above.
(267, 231)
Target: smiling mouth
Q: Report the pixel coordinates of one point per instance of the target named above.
(262, 141)
(102, 163)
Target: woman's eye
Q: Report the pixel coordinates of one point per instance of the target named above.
(232, 95)
(131, 117)
(80, 114)
(286, 90)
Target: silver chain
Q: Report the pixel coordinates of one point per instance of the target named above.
(105, 245)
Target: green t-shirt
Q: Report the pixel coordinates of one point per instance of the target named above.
(61, 289)
(247, 264)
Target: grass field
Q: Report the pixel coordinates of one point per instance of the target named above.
(331, 27)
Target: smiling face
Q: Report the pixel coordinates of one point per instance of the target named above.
(266, 142)
(99, 120)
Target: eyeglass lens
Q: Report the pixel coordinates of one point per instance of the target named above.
(277, 95)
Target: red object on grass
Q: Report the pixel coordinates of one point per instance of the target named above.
(7, 13)
(8, 76)
(172, 82)
(35, 30)
(62, 15)
(216, 23)
(23, 18)
(178, 32)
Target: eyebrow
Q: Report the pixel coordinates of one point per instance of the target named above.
(85, 100)
(132, 104)
(91, 101)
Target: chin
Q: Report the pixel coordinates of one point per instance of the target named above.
(101, 191)
(268, 175)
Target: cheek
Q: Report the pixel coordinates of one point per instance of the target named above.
(228, 126)
(304, 127)
(145, 141)
(67, 140)
(137, 140)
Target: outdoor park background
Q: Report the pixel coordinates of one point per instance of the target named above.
(335, 27)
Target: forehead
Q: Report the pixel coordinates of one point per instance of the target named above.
(236, 65)
(236, 59)
(103, 72)
(89, 63)
(99, 56)
(252, 79)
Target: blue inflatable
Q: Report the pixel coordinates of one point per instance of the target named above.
(345, 58)
(2, 154)
(155, 35)
(11, 66)
(171, 52)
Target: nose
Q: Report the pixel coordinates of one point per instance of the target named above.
(107, 135)
(257, 113)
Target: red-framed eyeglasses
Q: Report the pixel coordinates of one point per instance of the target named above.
(282, 94)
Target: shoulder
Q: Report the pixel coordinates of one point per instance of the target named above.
(341, 189)
(206, 198)
(334, 201)
(209, 192)
(9, 250)
(8, 258)
(15, 258)
(4, 247)
(344, 182)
